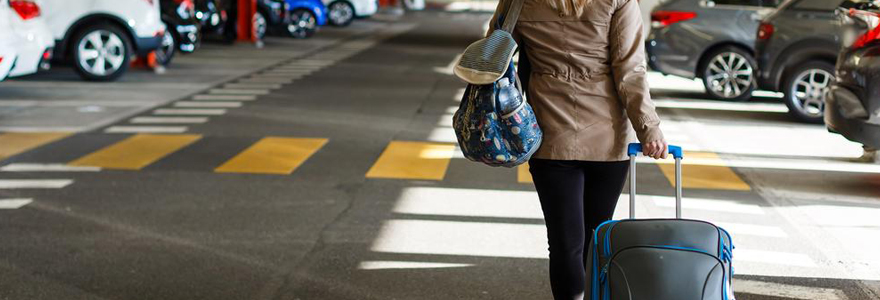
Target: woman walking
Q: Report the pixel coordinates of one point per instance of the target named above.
(588, 88)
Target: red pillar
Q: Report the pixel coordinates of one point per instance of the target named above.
(246, 11)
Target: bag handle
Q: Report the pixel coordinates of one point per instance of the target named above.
(512, 15)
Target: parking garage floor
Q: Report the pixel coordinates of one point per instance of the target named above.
(327, 169)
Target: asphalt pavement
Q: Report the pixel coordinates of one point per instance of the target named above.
(327, 169)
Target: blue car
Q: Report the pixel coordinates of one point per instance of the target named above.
(305, 17)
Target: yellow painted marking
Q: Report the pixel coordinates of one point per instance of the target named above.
(704, 170)
(273, 155)
(13, 143)
(522, 174)
(137, 152)
(413, 160)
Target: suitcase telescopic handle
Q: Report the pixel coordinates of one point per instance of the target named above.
(633, 150)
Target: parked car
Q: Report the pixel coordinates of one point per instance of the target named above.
(33, 40)
(212, 16)
(8, 55)
(710, 40)
(343, 12)
(101, 36)
(182, 29)
(797, 47)
(305, 17)
(853, 102)
(272, 16)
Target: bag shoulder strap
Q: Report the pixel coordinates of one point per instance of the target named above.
(514, 7)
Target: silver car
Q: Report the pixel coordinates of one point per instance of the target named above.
(708, 39)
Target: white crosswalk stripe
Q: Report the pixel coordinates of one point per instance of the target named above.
(31, 167)
(192, 112)
(14, 203)
(146, 129)
(169, 120)
(267, 86)
(34, 183)
(786, 290)
(224, 97)
(225, 91)
(207, 104)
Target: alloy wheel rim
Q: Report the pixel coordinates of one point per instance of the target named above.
(808, 91)
(341, 13)
(101, 52)
(167, 47)
(730, 75)
(301, 23)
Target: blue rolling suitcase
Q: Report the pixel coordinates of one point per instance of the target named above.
(659, 259)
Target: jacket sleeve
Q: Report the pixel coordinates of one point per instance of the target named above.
(628, 67)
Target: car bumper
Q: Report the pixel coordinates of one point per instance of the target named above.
(365, 8)
(664, 59)
(145, 45)
(844, 114)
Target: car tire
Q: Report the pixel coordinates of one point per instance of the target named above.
(805, 87)
(91, 60)
(168, 48)
(303, 24)
(340, 13)
(728, 74)
(260, 25)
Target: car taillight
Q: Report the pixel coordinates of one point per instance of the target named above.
(26, 9)
(663, 18)
(189, 5)
(765, 31)
(873, 32)
(47, 55)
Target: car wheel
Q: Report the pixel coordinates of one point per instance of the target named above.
(728, 74)
(340, 13)
(101, 52)
(169, 47)
(260, 25)
(303, 24)
(805, 90)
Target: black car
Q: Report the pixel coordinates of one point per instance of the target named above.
(853, 103)
(272, 17)
(212, 16)
(182, 32)
(796, 49)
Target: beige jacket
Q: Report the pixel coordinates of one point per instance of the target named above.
(588, 85)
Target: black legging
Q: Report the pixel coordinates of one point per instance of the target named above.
(576, 196)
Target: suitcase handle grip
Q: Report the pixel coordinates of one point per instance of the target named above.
(635, 148)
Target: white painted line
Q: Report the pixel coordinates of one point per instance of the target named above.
(146, 129)
(34, 183)
(30, 167)
(192, 112)
(292, 74)
(169, 120)
(225, 91)
(207, 104)
(702, 204)
(786, 290)
(225, 97)
(277, 76)
(265, 80)
(750, 229)
(267, 86)
(396, 265)
(462, 238)
(773, 257)
(14, 203)
(469, 202)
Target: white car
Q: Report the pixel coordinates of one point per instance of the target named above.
(33, 40)
(343, 12)
(101, 36)
(8, 55)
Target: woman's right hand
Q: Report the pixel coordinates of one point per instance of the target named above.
(655, 149)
